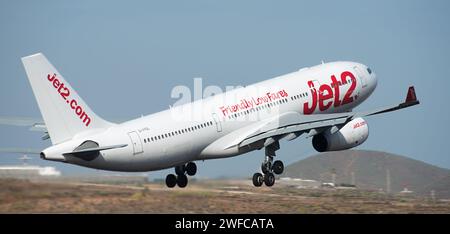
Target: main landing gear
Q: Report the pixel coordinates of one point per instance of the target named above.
(269, 167)
(180, 178)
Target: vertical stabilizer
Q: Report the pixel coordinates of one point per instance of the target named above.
(64, 112)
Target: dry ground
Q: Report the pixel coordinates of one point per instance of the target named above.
(21, 196)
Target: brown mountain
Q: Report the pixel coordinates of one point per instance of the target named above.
(370, 170)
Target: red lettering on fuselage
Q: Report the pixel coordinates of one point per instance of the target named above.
(348, 98)
(325, 95)
(335, 84)
(309, 110)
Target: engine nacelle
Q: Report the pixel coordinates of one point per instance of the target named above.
(352, 134)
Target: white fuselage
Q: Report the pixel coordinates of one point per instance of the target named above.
(187, 133)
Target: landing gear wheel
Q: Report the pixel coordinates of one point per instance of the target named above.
(258, 179)
(179, 170)
(278, 167)
(265, 167)
(191, 168)
(171, 180)
(269, 179)
(182, 181)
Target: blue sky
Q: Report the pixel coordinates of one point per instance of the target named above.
(124, 58)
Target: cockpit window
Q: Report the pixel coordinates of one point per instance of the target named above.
(369, 71)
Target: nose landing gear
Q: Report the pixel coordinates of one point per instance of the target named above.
(180, 178)
(269, 167)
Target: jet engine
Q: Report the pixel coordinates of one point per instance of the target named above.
(350, 135)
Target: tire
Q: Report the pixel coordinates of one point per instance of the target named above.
(179, 170)
(171, 180)
(258, 179)
(264, 168)
(191, 168)
(269, 179)
(182, 181)
(278, 167)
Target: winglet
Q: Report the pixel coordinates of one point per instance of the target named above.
(411, 96)
(411, 100)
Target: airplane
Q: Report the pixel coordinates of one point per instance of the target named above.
(315, 102)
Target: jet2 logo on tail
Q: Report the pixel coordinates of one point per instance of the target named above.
(325, 95)
(65, 93)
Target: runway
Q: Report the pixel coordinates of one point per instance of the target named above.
(209, 196)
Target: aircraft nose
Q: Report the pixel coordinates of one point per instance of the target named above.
(372, 78)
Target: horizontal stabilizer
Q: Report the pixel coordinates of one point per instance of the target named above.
(20, 150)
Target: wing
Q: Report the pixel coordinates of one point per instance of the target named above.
(411, 100)
(290, 126)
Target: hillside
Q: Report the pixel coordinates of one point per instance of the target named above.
(370, 170)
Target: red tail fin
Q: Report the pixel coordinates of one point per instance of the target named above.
(411, 96)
